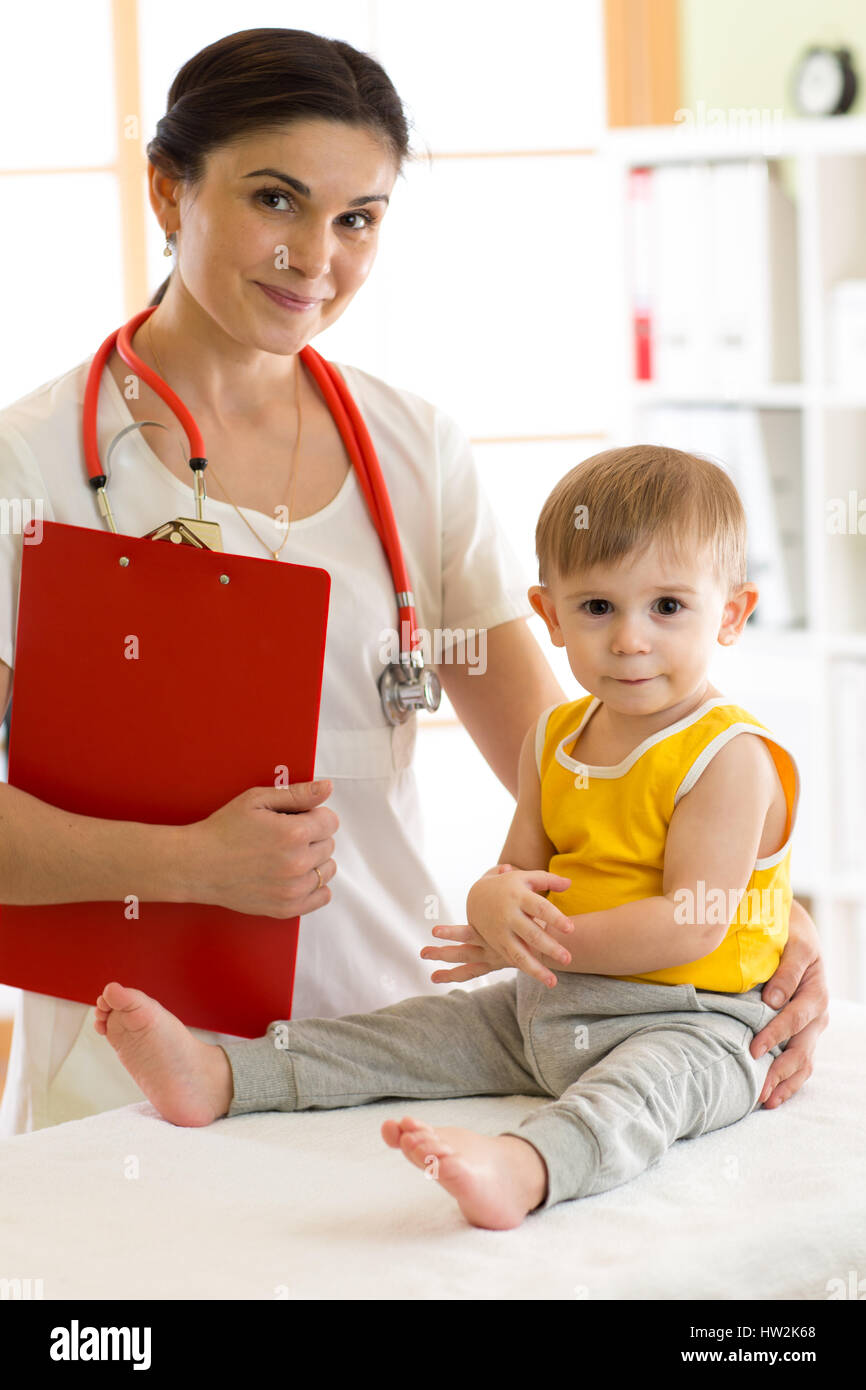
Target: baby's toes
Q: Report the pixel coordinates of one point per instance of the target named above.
(423, 1144)
(391, 1133)
(408, 1122)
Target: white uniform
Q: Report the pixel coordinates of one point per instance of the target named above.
(360, 951)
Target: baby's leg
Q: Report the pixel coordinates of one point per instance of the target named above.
(668, 1081)
(465, 1042)
(189, 1081)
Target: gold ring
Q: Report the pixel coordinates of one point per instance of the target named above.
(321, 885)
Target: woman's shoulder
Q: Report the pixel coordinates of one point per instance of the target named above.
(396, 405)
(39, 420)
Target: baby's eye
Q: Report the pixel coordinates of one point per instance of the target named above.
(595, 613)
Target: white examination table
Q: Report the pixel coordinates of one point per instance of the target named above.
(315, 1205)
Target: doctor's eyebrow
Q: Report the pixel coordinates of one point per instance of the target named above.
(305, 192)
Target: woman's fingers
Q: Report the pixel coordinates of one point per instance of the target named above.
(808, 1006)
(798, 956)
(792, 1068)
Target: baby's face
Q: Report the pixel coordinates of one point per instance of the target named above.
(647, 619)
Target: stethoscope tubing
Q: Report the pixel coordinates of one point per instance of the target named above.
(347, 418)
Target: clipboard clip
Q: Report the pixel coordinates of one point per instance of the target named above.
(183, 530)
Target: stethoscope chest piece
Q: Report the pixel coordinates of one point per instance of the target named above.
(407, 686)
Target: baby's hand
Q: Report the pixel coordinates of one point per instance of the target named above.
(510, 917)
(479, 958)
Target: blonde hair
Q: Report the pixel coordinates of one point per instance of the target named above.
(634, 496)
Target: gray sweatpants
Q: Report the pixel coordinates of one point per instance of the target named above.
(632, 1067)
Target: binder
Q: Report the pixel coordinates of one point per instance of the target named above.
(753, 244)
(156, 682)
(713, 275)
(640, 186)
(682, 274)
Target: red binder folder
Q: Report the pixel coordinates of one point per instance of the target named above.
(155, 682)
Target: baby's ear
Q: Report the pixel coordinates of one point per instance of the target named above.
(542, 601)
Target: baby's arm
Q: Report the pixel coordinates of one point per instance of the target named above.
(509, 911)
(713, 838)
(527, 845)
(503, 909)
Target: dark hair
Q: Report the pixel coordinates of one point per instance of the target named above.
(262, 79)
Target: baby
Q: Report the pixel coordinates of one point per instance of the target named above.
(647, 863)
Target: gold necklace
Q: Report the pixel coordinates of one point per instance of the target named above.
(294, 474)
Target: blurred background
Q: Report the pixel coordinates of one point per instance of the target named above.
(681, 184)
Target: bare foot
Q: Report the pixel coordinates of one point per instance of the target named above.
(496, 1179)
(189, 1081)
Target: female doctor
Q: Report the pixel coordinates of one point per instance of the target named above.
(280, 138)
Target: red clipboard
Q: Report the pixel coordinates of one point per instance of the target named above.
(221, 691)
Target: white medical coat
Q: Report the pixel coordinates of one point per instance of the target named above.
(360, 951)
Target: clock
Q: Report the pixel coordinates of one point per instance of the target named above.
(825, 83)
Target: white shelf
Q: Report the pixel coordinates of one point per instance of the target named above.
(772, 396)
(762, 139)
(832, 398)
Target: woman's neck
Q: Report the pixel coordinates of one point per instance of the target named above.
(212, 373)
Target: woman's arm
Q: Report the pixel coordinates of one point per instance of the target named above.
(48, 855)
(498, 706)
(266, 852)
(800, 981)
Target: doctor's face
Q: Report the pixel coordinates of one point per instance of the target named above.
(646, 619)
(296, 212)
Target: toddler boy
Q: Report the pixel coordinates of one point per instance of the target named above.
(648, 863)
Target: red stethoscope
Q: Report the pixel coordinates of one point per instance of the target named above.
(405, 685)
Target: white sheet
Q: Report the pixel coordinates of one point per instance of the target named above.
(315, 1205)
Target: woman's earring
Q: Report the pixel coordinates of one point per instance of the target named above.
(167, 251)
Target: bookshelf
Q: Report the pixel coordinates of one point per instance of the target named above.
(789, 674)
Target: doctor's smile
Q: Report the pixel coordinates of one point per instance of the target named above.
(334, 563)
(286, 300)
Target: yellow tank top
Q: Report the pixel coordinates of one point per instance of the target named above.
(610, 824)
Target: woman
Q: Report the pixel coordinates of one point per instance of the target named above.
(270, 174)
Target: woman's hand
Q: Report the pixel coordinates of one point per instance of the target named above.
(510, 917)
(800, 980)
(252, 857)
